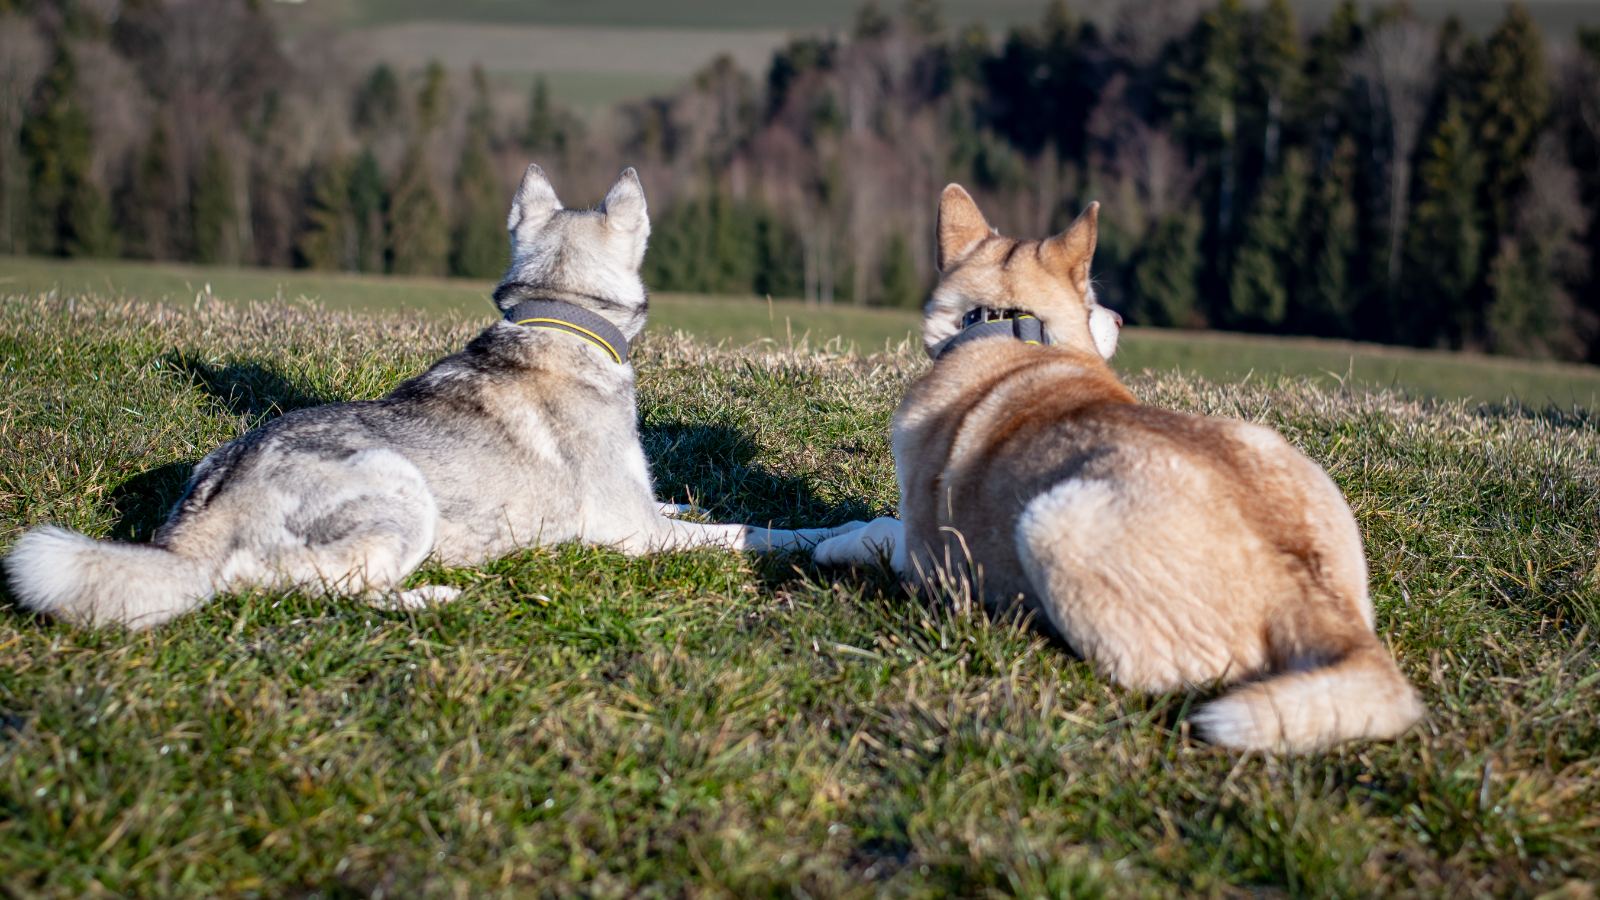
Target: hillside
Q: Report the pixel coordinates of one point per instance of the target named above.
(600, 53)
(580, 722)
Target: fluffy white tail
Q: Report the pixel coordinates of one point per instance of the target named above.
(1362, 695)
(89, 582)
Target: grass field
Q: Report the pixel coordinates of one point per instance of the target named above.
(601, 52)
(708, 724)
(829, 14)
(1229, 357)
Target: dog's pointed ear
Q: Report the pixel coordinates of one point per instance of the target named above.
(624, 206)
(535, 203)
(1070, 252)
(961, 226)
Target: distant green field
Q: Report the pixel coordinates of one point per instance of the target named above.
(734, 14)
(740, 320)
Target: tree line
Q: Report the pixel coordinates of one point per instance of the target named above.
(1370, 176)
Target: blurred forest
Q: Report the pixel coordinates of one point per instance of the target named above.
(1371, 176)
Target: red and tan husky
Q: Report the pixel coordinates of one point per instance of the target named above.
(1168, 549)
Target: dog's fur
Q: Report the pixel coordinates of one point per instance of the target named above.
(526, 437)
(1169, 549)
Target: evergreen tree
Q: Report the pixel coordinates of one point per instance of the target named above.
(1327, 294)
(1444, 246)
(871, 22)
(1204, 89)
(542, 133)
(1324, 87)
(67, 214)
(898, 284)
(1265, 268)
(1166, 273)
(479, 243)
(330, 241)
(1529, 309)
(780, 261)
(1043, 85)
(1273, 71)
(377, 103)
(216, 224)
(419, 235)
(732, 251)
(431, 99)
(368, 197)
(1512, 94)
(150, 213)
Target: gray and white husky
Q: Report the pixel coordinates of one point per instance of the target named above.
(528, 436)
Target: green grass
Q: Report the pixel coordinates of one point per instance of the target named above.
(706, 723)
(835, 14)
(739, 320)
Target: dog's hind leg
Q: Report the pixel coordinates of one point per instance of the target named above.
(369, 528)
(677, 535)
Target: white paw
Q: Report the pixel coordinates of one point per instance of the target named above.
(674, 510)
(416, 598)
(862, 545)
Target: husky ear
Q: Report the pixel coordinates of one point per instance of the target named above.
(535, 203)
(961, 226)
(1070, 252)
(624, 205)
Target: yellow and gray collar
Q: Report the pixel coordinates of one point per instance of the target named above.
(985, 322)
(555, 315)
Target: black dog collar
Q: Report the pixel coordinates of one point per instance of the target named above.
(554, 315)
(985, 322)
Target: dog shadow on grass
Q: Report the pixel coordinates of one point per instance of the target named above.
(250, 389)
(712, 467)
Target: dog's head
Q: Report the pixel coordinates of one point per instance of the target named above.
(588, 257)
(1049, 278)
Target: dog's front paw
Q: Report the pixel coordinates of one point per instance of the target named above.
(416, 598)
(862, 544)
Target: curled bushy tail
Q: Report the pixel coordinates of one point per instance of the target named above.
(88, 582)
(1360, 695)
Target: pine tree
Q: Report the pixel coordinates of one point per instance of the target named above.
(377, 103)
(479, 243)
(478, 246)
(733, 250)
(1273, 80)
(1327, 293)
(91, 231)
(898, 284)
(67, 214)
(1166, 273)
(542, 133)
(1204, 90)
(1326, 78)
(1529, 309)
(1267, 262)
(871, 22)
(368, 198)
(330, 241)
(216, 225)
(1444, 246)
(1512, 102)
(150, 212)
(419, 235)
(780, 261)
(431, 99)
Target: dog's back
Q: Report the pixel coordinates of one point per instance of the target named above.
(1169, 549)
